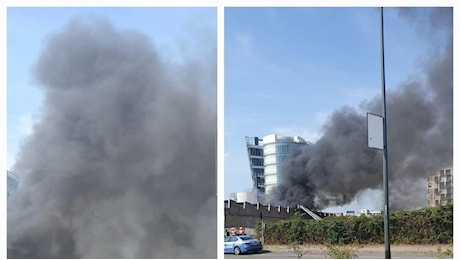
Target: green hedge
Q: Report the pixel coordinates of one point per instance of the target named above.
(424, 226)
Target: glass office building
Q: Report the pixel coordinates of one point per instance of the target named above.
(12, 184)
(266, 158)
(256, 163)
(276, 149)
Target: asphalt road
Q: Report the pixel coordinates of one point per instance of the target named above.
(401, 252)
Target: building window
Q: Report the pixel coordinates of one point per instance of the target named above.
(255, 152)
(257, 162)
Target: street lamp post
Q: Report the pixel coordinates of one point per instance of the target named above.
(386, 210)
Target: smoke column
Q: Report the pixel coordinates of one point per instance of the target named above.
(340, 166)
(122, 163)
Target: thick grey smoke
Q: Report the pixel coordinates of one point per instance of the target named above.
(339, 166)
(123, 161)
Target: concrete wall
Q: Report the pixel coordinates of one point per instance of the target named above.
(248, 215)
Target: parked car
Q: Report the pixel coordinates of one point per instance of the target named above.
(241, 244)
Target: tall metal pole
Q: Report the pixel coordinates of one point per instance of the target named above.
(386, 210)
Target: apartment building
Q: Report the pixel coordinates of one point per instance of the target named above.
(440, 187)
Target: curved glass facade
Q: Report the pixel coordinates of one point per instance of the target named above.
(266, 158)
(275, 150)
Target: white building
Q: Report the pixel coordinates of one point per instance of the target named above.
(276, 149)
(367, 212)
(440, 186)
(266, 157)
(244, 197)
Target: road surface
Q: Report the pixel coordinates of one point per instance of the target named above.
(367, 252)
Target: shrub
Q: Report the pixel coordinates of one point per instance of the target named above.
(424, 226)
(342, 251)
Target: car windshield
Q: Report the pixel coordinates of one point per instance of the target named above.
(246, 237)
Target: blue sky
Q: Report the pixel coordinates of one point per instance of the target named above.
(287, 69)
(170, 30)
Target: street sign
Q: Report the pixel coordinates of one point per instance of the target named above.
(375, 131)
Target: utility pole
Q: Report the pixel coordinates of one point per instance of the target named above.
(386, 211)
(262, 238)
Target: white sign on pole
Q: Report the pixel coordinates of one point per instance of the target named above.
(374, 131)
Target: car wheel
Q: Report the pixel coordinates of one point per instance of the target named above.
(237, 250)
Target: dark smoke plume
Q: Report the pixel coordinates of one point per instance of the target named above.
(122, 163)
(339, 166)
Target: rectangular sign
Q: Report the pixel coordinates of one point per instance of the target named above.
(374, 131)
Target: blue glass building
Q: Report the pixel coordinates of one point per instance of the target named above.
(256, 163)
(12, 184)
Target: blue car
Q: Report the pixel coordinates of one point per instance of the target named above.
(241, 244)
